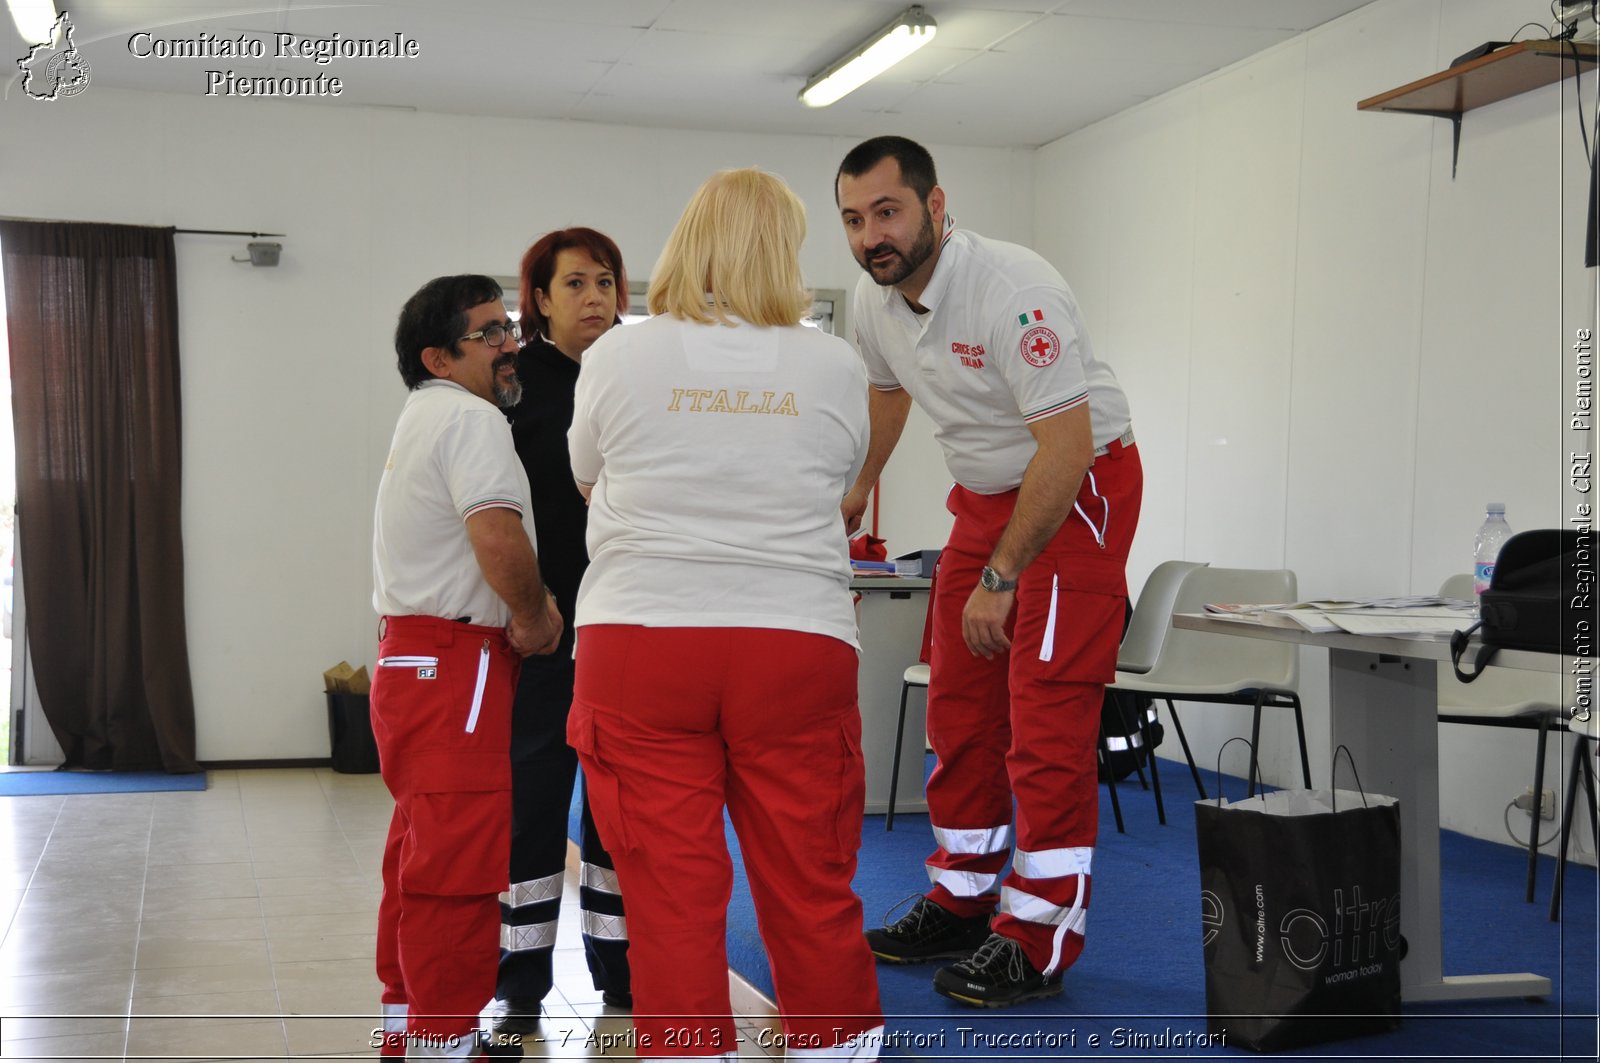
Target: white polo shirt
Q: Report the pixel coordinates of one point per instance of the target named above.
(452, 456)
(1002, 345)
(718, 457)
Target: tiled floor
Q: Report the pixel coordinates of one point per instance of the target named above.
(234, 923)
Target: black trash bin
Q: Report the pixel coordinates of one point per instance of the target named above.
(355, 752)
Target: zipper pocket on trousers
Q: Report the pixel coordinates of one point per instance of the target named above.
(406, 662)
(1047, 648)
(477, 691)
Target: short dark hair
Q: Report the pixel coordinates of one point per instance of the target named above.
(916, 165)
(539, 266)
(435, 317)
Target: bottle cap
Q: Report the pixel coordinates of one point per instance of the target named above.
(1497, 507)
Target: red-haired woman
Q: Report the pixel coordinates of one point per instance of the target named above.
(573, 290)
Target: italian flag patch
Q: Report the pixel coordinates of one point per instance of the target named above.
(1032, 315)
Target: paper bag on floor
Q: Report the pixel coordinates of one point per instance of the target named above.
(1300, 895)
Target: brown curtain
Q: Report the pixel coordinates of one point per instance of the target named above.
(92, 312)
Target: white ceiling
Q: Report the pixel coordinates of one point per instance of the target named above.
(1003, 73)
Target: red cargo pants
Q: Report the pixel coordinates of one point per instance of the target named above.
(1023, 725)
(441, 714)
(674, 724)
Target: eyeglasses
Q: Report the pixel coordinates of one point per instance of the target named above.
(495, 335)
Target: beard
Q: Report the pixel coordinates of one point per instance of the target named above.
(904, 263)
(507, 395)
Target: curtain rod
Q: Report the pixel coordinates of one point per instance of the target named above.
(222, 232)
(199, 232)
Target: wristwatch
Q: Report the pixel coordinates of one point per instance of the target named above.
(990, 580)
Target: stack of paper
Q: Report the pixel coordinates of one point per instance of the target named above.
(1417, 616)
(1416, 623)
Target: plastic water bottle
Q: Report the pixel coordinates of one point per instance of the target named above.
(1491, 536)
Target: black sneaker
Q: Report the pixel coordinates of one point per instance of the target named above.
(998, 975)
(515, 1017)
(620, 999)
(928, 932)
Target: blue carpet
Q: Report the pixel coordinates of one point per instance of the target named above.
(1139, 987)
(38, 783)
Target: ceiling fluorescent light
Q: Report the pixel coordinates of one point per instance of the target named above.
(909, 31)
(34, 18)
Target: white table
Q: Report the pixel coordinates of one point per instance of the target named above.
(1384, 706)
(890, 615)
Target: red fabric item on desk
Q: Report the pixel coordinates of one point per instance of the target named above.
(867, 547)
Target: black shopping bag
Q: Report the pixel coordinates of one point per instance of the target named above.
(1300, 895)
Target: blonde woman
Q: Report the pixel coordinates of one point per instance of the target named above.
(716, 663)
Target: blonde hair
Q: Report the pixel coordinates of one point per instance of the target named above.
(735, 251)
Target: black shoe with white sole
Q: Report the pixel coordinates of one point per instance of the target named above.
(928, 932)
(998, 975)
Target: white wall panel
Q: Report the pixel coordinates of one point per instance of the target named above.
(1246, 220)
(1361, 246)
(1489, 419)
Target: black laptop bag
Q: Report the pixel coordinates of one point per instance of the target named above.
(1541, 597)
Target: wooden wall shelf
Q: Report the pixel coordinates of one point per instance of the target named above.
(1487, 79)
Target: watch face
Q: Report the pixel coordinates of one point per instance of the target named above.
(990, 580)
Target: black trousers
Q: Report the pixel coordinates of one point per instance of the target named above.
(543, 768)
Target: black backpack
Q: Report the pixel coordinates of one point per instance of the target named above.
(1541, 597)
(1127, 746)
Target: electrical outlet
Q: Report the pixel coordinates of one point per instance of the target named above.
(1547, 803)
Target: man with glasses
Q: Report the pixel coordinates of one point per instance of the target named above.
(458, 588)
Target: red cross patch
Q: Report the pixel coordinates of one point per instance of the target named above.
(1040, 346)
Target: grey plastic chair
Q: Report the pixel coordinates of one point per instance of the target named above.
(1503, 697)
(1152, 616)
(916, 675)
(1220, 669)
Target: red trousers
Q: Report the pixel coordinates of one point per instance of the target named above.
(674, 724)
(441, 714)
(1024, 724)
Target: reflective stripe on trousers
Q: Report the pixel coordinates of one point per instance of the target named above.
(1042, 870)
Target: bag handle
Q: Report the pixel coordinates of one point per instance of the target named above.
(1255, 776)
(1333, 776)
(1458, 648)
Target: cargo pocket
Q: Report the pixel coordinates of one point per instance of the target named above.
(1077, 636)
(600, 781)
(460, 821)
(839, 831)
